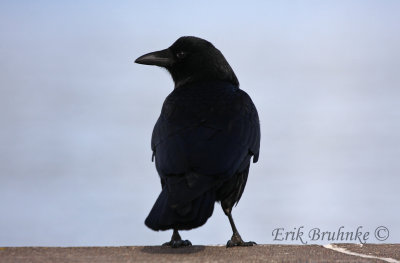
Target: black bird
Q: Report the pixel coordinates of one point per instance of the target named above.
(203, 141)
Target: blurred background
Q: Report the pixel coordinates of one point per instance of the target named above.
(77, 114)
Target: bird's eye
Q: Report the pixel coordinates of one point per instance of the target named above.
(181, 54)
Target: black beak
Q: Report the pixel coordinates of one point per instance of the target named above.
(162, 58)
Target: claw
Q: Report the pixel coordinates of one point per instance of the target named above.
(177, 243)
(231, 243)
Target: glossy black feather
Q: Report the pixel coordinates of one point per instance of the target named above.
(205, 135)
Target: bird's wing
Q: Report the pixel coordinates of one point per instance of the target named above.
(207, 135)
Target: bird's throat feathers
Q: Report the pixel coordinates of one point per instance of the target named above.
(217, 69)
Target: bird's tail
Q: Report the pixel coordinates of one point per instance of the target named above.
(182, 205)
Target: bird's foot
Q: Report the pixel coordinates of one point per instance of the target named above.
(237, 241)
(177, 243)
(230, 243)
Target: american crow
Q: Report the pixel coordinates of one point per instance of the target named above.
(203, 141)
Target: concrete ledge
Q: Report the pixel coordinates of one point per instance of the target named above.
(259, 253)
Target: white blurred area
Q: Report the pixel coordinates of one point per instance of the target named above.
(77, 114)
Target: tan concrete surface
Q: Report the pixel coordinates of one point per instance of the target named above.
(259, 253)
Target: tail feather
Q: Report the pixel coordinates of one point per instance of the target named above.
(192, 214)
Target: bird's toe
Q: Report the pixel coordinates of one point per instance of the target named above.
(232, 243)
(177, 243)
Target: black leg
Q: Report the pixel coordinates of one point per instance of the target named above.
(236, 239)
(176, 241)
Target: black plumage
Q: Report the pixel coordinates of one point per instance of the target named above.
(203, 141)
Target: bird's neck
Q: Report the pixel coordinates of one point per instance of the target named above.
(183, 82)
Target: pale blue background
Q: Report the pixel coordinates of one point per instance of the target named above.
(76, 116)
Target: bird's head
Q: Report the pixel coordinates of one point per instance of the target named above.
(191, 59)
